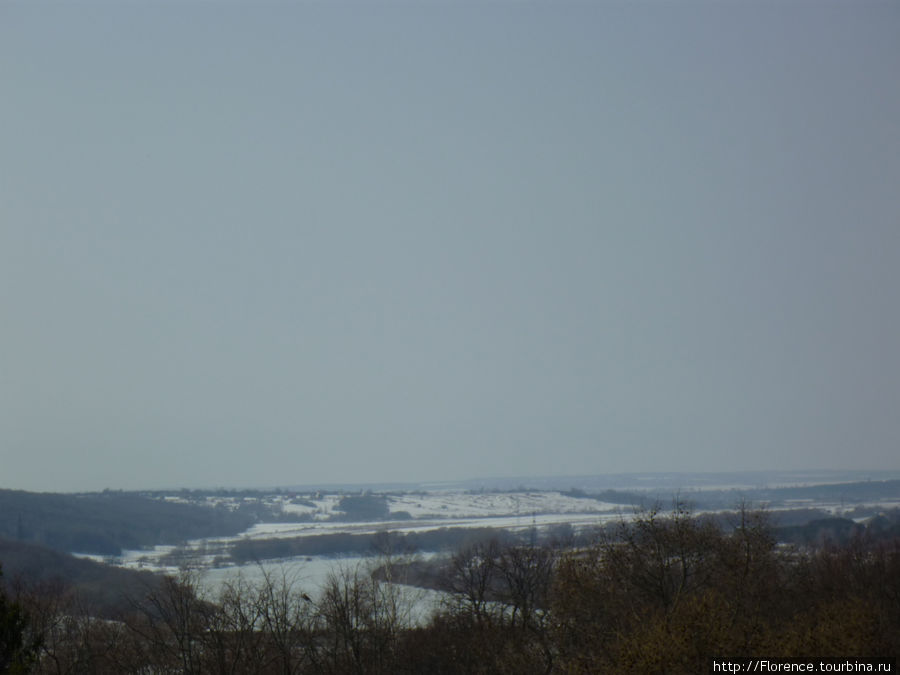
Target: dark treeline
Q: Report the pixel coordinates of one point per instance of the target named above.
(346, 543)
(807, 527)
(661, 593)
(363, 507)
(608, 496)
(848, 495)
(105, 523)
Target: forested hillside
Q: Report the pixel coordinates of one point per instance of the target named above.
(105, 589)
(105, 523)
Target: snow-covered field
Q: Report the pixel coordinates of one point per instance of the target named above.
(464, 505)
(418, 511)
(432, 504)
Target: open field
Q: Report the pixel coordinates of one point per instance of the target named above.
(309, 530)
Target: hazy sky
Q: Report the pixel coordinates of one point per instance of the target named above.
(268, 243)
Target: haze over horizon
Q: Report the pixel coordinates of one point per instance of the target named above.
(296, 242)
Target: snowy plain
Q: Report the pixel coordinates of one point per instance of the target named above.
(314, 512)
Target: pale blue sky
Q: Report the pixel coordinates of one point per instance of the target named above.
(259, 243)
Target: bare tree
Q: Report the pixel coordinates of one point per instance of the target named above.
(287, 617)
(231, 639)
(169, 622)
(471, 581)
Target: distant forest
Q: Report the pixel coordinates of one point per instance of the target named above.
(108, 522)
